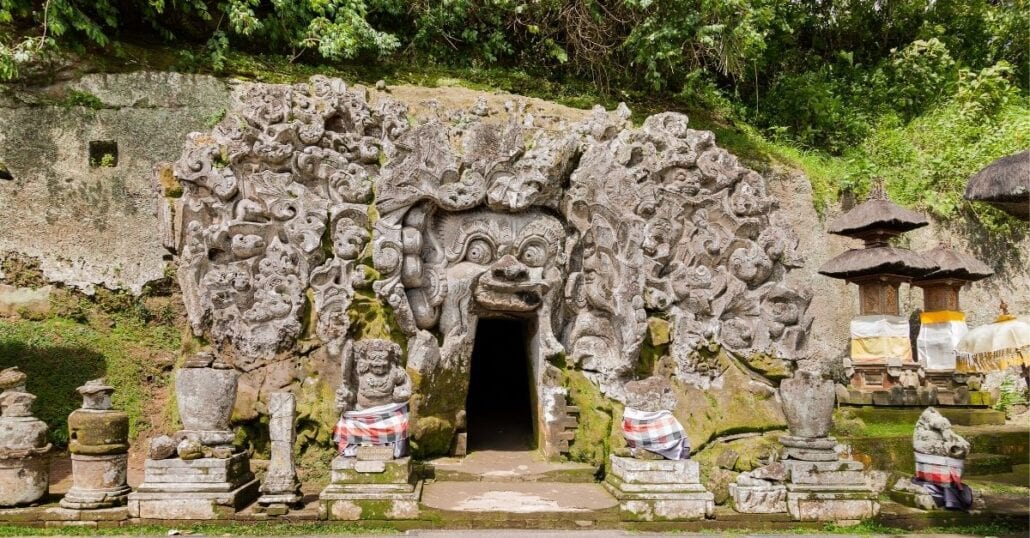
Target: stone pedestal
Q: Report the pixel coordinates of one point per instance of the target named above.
(370, 489)
(99, 482)
(659, 490)
(203, 488)
(24, 450)
(823, 487)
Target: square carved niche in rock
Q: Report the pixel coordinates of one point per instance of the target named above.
(103, 153)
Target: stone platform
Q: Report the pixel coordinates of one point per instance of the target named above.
(204, 488)
(659, 490)
(376, 489)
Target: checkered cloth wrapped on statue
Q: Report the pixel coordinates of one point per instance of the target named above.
(941, 478)
(656, 431)
(382, 425)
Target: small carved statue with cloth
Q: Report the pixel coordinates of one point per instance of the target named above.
(940, 457)
(650, 429)
(373, 398)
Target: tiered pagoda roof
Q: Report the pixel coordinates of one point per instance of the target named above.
(877, 219)
(954, 265)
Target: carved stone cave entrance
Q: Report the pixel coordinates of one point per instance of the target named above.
(500, 407)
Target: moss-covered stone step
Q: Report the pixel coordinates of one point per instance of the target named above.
(909, 415)
(979, 464)
(894, 453)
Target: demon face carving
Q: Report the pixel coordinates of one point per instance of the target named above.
(491, 264)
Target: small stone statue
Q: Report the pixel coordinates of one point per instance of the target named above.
(99, 444)
(940, 456)
(373, 398)
(24, 450)
(379, 377)
(281, 488)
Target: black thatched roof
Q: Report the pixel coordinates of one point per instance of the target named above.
(1005, 184)
(877, 214)
(954, 264)
(870, 261)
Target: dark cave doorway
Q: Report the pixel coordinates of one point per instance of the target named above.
(499, 409)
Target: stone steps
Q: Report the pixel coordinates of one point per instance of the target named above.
(502, 466)
(498, 502)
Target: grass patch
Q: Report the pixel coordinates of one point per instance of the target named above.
(91, 338)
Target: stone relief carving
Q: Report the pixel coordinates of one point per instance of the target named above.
(585, 231)
(373, 376)
(260, 194)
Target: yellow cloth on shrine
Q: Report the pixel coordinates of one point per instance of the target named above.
(939, 335)
(879, 338)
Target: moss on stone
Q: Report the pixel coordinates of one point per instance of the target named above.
(768, 366)
(739, 405)
(431, 436)
(751, 452)
(22, 271)
(591, 442)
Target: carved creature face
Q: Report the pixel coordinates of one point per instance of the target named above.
(513, 259)
(376, 356)
(349, 239)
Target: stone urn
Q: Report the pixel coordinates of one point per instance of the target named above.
(24, 451)
(808, 400)
(205, 390)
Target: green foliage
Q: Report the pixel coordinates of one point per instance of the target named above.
(981, 95)
(919, 75)
(926, 162)
(1009, 395)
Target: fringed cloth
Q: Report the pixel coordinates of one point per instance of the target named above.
(994, 361)
(382, 425)
(941, 478)
(657, 432)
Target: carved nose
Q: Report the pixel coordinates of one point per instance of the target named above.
(510, 269)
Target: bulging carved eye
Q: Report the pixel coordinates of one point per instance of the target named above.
(479, 251)
(533, 255)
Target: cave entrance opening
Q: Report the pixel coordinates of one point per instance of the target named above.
(499, 409)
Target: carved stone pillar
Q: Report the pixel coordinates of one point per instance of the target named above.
(281, 488)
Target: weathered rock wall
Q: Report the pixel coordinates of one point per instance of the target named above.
(88, 223)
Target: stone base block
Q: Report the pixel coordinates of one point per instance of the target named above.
(825, 505)
(659, 490)
(191, 504)
(99, 482)
(638, 471)
(346, 503)
(212, 475)
(371, 472)
(680, 506)
(24, 480)
(769, 499)
(826, 473)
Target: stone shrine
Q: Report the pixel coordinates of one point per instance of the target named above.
(372, 475)
(812, 482)
(209, 477)
(98, 440)
(24, 448)
(884, 370)
(654, 486)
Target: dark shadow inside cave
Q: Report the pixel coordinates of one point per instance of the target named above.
(499, 408)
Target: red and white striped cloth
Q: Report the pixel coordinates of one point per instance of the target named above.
(657, 432)
(377, 426)
(940, 470)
